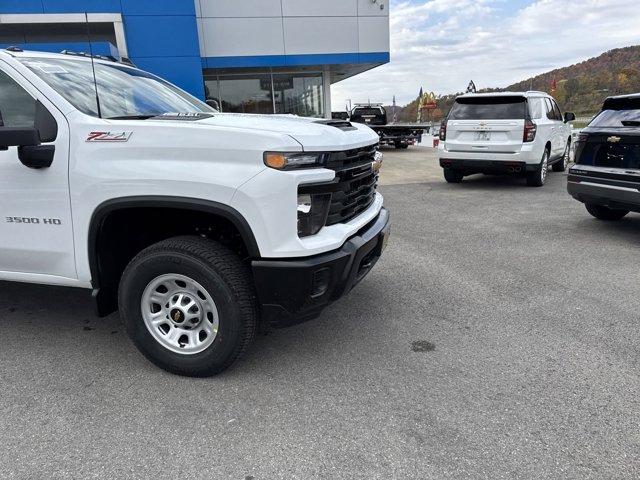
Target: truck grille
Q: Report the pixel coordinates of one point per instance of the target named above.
(354, 188)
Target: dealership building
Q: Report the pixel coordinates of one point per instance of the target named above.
(252, 56)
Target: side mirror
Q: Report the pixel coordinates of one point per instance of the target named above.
(18, 136)
(213, 103)
(45, 129)
(28, 139)
(569, 117)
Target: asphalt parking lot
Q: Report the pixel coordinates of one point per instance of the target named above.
(497, 339)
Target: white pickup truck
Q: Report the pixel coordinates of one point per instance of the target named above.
(199, 227)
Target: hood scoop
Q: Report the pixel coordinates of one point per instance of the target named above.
(189, 117)
(339, 124)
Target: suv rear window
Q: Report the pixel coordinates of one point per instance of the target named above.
(489, 108)
(617, 118)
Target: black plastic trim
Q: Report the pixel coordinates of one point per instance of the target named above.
(286, 290)
(104, 209)
(605, 192)
(489, 166)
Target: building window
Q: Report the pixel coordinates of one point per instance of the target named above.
(242, 93)
(299, 94)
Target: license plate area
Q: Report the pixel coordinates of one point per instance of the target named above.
(482, 136)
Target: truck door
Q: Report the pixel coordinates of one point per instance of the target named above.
(35, 211)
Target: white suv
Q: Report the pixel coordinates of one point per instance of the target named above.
(505, 133)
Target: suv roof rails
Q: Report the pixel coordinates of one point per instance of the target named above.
(109, 58)
(368, 104)
(537, 91)
(84, 54)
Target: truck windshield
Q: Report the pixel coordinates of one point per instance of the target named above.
(489, 108)
(124, 92)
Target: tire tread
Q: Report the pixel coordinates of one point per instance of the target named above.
(230, 267)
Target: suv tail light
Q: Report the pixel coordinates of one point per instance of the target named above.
(530, 130)
(443, 131)
(580, 144)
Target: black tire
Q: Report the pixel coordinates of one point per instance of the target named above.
(605, 213)
(453, 176)
(561, 165)
(538, 177)
(225, 279)
(400, 146)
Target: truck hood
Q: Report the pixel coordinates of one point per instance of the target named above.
(312, 133)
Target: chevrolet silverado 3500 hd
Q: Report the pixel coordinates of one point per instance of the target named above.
(199, 227)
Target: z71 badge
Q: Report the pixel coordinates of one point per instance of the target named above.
(109, 136)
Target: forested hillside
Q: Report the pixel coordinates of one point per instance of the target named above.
(580, 88)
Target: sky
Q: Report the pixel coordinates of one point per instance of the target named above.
(442, 44)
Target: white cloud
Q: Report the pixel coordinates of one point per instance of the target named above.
(442, 44)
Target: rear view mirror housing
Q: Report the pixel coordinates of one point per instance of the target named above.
(36, 156)
(28, 139)
(569, 117)
(18, 136)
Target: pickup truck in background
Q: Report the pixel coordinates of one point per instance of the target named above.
(201, 228)
(391, 135)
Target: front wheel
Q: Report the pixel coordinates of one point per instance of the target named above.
(605, 213)
(538, 177)
(188, 304)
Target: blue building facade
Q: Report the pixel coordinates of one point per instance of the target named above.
(261, 56)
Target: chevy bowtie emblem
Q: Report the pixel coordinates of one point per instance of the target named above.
(613, 139)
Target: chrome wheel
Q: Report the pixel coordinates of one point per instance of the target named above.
(180, 314)
(544, 168)
(565, 158)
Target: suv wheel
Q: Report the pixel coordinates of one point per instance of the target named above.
(561, 165)
(453, 176)
(188, 305)
(605, 213)
(538, 177)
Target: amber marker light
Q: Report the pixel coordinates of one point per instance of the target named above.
(275, 160)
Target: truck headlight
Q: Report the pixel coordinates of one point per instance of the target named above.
(312, 213)
(291, 161)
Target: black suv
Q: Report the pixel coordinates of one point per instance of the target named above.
(606, 176)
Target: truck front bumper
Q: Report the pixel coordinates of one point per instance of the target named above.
(292, 291)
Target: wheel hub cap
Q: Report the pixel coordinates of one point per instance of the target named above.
(180, 314)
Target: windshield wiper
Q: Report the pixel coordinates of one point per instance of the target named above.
(132, 117)
(631, 123)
